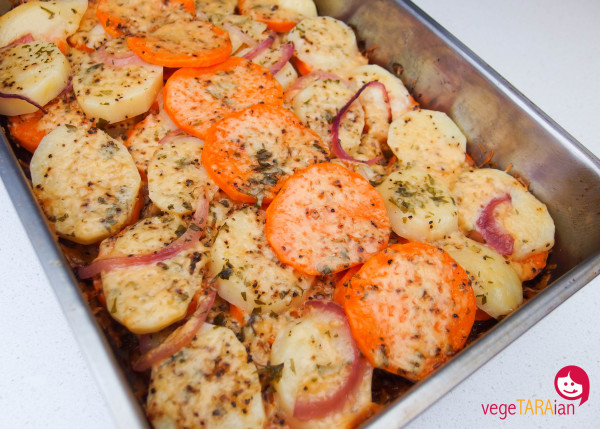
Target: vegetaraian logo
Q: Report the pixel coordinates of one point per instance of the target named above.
(572, 383)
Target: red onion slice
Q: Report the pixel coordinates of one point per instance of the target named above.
(145, 343)
(307, 408)
(122, 59)
(24, 98)
(67, 89)
(287, 50)
(492, 231)
(190, 238)
(181, 337)
(255, 51)
(28, 38)
(336, 147)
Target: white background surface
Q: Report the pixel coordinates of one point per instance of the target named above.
(550, 51)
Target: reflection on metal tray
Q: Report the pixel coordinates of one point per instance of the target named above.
(444, 75)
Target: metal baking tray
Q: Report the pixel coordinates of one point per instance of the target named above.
(442, 74)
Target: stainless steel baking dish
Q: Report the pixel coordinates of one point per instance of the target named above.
(444, 75)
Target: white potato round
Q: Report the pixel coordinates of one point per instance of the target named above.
(420, 207)
(318, 104)
(176, 176)
(247, 272)
(116, 93)
(315, 352)
(429, 140)
(260, 332)
(36, 70)
(148, 298)
(325, 43)
(496, 285)
(86, 182)
(208, 384)
(524, 218)
(44, 20)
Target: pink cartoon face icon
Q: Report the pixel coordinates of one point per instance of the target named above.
(568, 387)
(572, 383)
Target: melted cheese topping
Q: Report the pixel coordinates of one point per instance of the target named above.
(176, 177)
(146, 137)
(44, 20)
(348, 216)
(116, 93)
(221, 7)
(143, 16)
(86, 182)
(188, 37)
(87, 185)
(148, 298)
(247, 272)
(209, 383)
(416, 295)
(278, 10)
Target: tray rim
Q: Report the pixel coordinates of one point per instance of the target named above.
(511, 92)
(403, 410)
(102, 362)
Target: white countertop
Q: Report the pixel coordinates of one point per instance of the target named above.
(550, 51)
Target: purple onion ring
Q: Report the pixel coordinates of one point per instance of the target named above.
(336, 147)
(24, 98)
(287, 50)
(265, 44)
